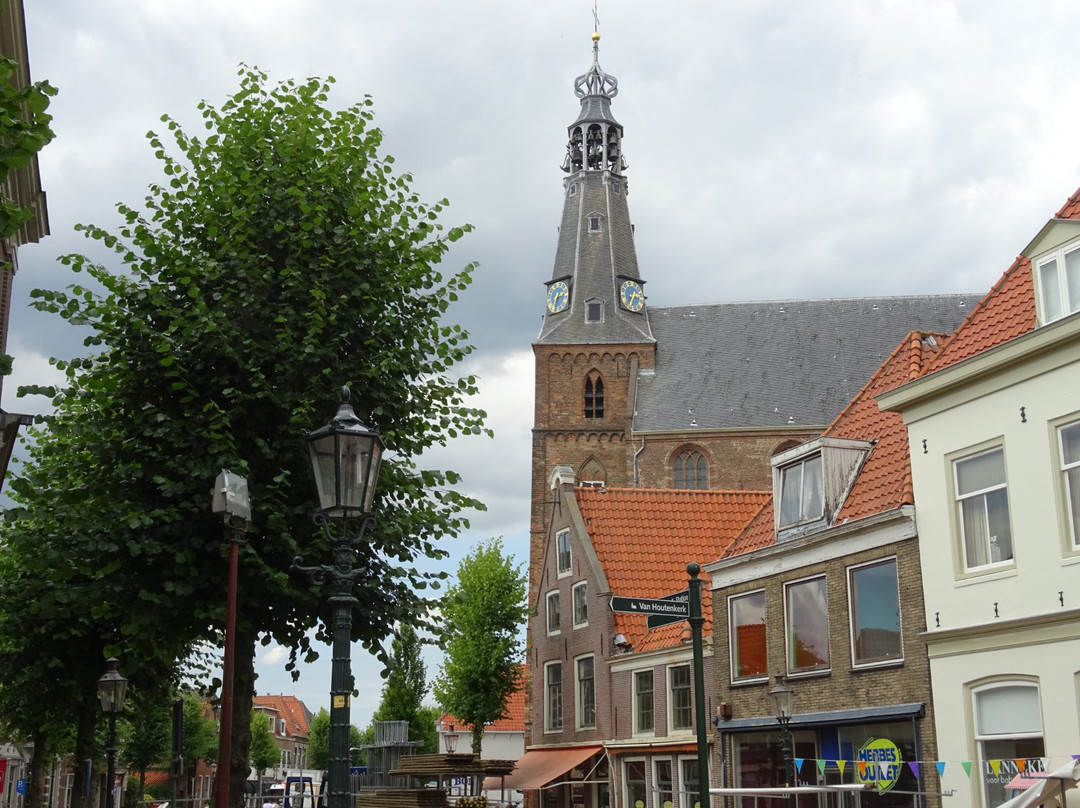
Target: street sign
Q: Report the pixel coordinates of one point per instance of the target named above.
(677, 610)
(655, 621)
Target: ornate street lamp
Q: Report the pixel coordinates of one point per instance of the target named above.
(784, 701)
(345, 455)
(111, 689)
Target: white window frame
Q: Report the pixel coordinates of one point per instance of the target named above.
(684, 799)
(568, 568)
(637, 693)
(789, 637)
(579, 692)
(982, 493)
(874, 662)
(671, 697)
(673, 782)
(1059, 286)
(982, 736)
(1068, 479)
(554, 626)
(553, 720)
(803, 517)
(627, 762)
(733, 640)
(579, 598)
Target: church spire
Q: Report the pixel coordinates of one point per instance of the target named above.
(595, 294)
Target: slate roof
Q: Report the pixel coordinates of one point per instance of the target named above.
(295, 712)
(644, 538)
(514, 721)
(778, 362)
(884, 480)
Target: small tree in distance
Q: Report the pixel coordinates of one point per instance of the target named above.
(405, 689)
(264, 751)
(483, 614)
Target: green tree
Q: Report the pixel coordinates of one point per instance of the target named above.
(483, 615)
(279, 257)
(406, 687)
(264, 750)
(318, 748)
(148, 731)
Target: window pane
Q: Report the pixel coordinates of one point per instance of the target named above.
(586, 692)
(1070, 444)
(808, 625)
(636, 793)
(748, 635)
(553, 693)
(663, 784)
(680, 471)
(1072, 493)
(997, 508)
(1051, 290)
(553, 617)
(980, 472)
(581, 604)
(875, 613)
(563, 544)
(812, 488)
(790, 486)
(1072, 279)
(702, 474)
(643, 698)
(1008, 710)
(682, 711)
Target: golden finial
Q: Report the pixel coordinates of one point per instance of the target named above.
(595, 36)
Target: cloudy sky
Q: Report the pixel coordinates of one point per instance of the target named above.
(777, 149)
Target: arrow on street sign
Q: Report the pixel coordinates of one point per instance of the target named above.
(678, 610)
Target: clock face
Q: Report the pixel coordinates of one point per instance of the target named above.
(633, 298)
(558, 297)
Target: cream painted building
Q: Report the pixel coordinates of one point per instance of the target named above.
(994, 432)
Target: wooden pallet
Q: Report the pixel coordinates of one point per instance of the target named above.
(402, 798)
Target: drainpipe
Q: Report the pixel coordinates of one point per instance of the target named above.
(638, 452)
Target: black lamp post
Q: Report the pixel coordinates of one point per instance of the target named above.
(111, 688)
(345, 455)
(784, 700)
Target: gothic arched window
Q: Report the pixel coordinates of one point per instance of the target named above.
(690, 471)
(594, 396)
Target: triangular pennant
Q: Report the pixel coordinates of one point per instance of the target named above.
(995, 767)
(840, 764)
(967, 767)
(798, 764)
(821, 767)
(883, 770)
(940, 767)
(862, 769)
(914, 766)
(1021, 764)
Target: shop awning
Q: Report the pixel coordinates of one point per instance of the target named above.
(864, 715)
(538, 767)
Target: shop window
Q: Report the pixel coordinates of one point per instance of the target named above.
(637, 794)
(690, 471)
(690, 788)
(746, 614)
(874, 598)
(663, 785)
(554, 623)
(586, 693)
(682, 707)
(643, 701)
(807, 615)
(1008, 729)
(553, 697)
(562, 548)
(983, 506)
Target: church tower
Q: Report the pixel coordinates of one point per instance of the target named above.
(595, 334)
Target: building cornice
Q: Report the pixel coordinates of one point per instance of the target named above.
(1019, 632)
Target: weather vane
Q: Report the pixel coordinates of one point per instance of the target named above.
(596, 19)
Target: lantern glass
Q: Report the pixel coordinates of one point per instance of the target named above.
(111, 688)
(345, 456)
(783, 698)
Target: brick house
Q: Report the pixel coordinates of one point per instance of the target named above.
(995, 437)
(826, 591)
(612, 698)
(289, 722)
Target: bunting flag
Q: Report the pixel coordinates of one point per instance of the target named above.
(914, 766)
(862, 769)
(995, 766)
(1021, 764)
(940, 768)
(821, 767)
(798, 764)
(967, 767)
(840, 764)
(883, 770)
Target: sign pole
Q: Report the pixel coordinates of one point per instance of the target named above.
(697, 620)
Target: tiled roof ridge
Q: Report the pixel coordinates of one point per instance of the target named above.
(679, 491)
(1071, 208)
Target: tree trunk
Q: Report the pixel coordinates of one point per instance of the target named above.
(84, 795)
(243, 693)
(35, 786)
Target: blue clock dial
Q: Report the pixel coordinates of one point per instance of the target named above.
(632, 296)
(558, 297)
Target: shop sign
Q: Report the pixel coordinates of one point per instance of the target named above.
(878, 764)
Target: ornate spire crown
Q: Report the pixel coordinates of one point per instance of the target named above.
(596, 81)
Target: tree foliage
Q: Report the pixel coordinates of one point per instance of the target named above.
(318, 747)
(279, 257)
(406, 688)
(483, 613)
(264, 750)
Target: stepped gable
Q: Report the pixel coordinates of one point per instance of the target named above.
(644, 538)
(775, 363)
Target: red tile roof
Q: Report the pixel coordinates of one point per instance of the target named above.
(644, 538)
(513, 721)
(1006, 312)
(884, 481)
(290, 708)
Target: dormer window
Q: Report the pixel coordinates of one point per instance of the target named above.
(1059, 282)
(810, 482)
(594, 311)
(801, 492)
(594, 223)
